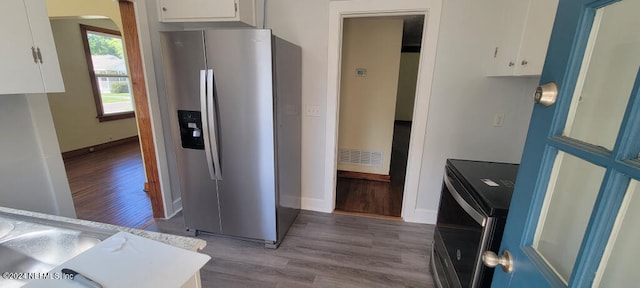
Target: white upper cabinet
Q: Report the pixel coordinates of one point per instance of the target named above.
(522, 31)
(43, 40)
(208, 11)
(29, 57)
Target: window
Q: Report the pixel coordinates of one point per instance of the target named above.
(108, 72)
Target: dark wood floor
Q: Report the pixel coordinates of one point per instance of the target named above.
(107, 186)
(376, 197)
(320, 250)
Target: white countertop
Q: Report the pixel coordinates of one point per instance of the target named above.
(128, 260)
(188, 243)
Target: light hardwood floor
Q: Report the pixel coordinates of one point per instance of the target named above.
(321, 250)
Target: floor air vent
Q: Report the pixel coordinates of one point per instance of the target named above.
(360, 157)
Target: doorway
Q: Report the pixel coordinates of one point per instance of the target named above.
(380, 61)
(340, 10)
(96, 128)
(124, 15)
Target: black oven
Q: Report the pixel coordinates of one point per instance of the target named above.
(473, 209)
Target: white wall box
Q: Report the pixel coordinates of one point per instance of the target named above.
(28, 55)
(522, 35)
(208, 11)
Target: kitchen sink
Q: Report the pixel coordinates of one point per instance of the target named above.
(37, 246)
(5, 228)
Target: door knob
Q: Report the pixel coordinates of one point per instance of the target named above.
(546, 94)
(490, 259)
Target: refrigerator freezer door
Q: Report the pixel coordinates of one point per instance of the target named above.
(184, 59)
(288, 131)
(241, 61)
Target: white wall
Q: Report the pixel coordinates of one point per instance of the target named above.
(463, 101)
(32, 174)
(305, 23)
(367, 103)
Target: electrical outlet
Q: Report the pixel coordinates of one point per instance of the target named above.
(312, 110)
(498, 120)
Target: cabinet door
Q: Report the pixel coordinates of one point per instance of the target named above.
(19, 73)
(535, 37)
(522, 34)
(43, 40)
(507, 29)
(194, 10)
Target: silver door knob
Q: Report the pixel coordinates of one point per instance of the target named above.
(490, 259)
(546, 94)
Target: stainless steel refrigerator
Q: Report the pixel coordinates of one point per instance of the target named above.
(234, 96)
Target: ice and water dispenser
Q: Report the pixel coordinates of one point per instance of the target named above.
(191, 129)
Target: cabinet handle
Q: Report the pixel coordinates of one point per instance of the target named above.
(34, 54)
(524, 62)
(511, 64)
(39, 55)
(164, 9)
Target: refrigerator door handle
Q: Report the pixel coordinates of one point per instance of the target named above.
(205, 122)
(212, 117)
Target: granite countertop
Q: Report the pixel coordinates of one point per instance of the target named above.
(188, 243)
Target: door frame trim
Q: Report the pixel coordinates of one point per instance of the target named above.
(338, 11)
(141, 99)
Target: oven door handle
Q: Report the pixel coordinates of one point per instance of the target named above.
(481, 219)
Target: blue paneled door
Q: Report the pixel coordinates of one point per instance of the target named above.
(576, 204)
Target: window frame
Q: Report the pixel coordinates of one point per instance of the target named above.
(102, 117)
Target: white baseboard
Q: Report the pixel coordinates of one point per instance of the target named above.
(177, 204)
(177, 207)
(423, 216)
(315, 204)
